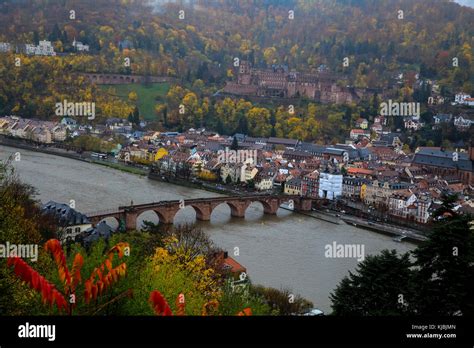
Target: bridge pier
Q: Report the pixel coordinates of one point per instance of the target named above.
(203, 211)
(130, 220)
(270, 207)
(303, 204)
(237, 209)
(167, 213)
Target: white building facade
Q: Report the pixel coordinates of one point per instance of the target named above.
(330, 185)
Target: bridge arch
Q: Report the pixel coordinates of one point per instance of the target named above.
(164, 212)
(147, 215)
(260, 205)
(112, 221)
(237, 207)
(187, 214)
(223, 208)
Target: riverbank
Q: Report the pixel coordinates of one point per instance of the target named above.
(18, 144)
(313, 214)
(193, 184)
(399, 234)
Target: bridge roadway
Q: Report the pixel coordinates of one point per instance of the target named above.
(166, 210)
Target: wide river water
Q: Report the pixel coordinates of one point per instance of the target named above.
(282, 251)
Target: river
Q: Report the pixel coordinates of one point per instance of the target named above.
(282, 251)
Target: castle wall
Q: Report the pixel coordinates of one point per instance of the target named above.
(280, 83)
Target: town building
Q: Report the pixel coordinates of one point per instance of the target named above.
(5, 47)
(463, 123)
(310, 185)
(351, 187)
(377, 193)
(264, 179)
(293, 186)
(79, 46)
(445, 163)
(71, 223)
(401, 203)
(330, 185)
(357, 133)
(461, 97)
(362, 123)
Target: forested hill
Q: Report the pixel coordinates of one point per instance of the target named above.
(378, 39)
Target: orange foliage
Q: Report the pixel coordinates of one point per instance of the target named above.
(161, 307)
(54, 247)
(47, 290)
(246, 312)
(93, 288)
(98, 281)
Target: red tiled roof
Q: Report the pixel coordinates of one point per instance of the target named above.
(235, 267)
(360, 171)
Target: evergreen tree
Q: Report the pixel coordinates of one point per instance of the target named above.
(348, 115)
(375, 106)
(439, 282)
(242, 125)
(445, 280)
(136, 116)
(165, 116)
(55, 34)
(36, 37)
(235, 144)
(64, 37)
(375, 288)
(220, 127)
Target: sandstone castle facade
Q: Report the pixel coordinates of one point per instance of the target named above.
(279, 82)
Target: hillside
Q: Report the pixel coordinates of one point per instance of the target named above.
(368, 32)
(379, 39)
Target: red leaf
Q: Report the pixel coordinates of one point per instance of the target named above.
(56, 250)
(118, 248)
(94, 291)
(47, 290)
(76, 270)
(108, 263)
(159, 304)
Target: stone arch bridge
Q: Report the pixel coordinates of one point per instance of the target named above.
(121, 79)
(166, 210)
